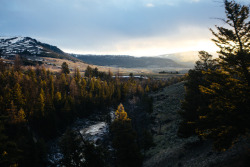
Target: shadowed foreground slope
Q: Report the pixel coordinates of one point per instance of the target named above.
(170, 150)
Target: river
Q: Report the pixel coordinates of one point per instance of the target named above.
(94, 129)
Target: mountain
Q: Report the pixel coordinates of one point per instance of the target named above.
(26, 46)
(185, 58)
(31, 48)
(128, 61)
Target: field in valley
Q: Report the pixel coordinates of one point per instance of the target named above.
(54, 65)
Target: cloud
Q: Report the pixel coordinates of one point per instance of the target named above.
(186, 38)
(150, 5)
(195, 0)
(111, 26)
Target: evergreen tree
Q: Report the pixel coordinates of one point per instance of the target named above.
(78, 152)
(18, 97)
(51, 86)
(94, 155)
(8, 148)
(234, 41)
(17, 63)
(65, 68)
(225, 115)
(77, 75)
(229, 85)
(72, 148)
(195, 103)
(41, 103)
(21, 117)
(73, 88)
(120, 114)
(88, 72)
(124, 140)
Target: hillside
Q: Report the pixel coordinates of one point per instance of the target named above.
(170, 150)
(185, 58)
(29, 47)
(34, 52)
(129, 61)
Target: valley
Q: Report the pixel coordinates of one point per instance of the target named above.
(82, 102)
(31, 50)
(124, 83)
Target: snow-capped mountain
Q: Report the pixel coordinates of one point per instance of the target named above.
(17, 45)
(26, 46)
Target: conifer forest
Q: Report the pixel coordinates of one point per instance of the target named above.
(98, 118)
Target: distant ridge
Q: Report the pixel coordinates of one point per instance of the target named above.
(30, 47)
(186, 58)
(128, 61)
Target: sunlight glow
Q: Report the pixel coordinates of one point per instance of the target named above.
(157, 48)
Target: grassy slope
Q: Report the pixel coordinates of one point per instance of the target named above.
(54, 65)
(170, 150)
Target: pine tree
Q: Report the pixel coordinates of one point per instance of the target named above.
(124, 140)
(8, 148)
(147, 89)
(234, 42)
(73, 88)
(41, 103)
(78, 152)
(77, 75)
(195, 103)
(51, 85)
(72, 149)
(17, 63)
(21, 116)
(63, 83)
(88, 72)
(12, 113)
(120, 114)
(229, 85)
(65, 68)
(18, 97)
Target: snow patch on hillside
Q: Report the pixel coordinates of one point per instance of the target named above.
(15, 45)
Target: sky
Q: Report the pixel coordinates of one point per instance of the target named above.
(120, 27)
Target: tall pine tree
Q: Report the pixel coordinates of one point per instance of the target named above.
(124, 140)
(229, 85)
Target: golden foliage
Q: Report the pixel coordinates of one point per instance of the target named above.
(121, 114)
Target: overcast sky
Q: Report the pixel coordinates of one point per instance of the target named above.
(134, 27)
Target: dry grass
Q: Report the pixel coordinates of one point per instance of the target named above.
(170, 150)
(54, 65)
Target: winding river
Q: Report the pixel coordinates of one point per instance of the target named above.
(94, 129)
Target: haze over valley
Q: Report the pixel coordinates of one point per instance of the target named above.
(33, 50)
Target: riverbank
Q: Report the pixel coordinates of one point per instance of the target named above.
(94, 129)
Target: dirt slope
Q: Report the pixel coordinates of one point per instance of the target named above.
(170, 150)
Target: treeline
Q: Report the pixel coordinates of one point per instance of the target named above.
(169, 72)
(217, 99)
(128, 61)
(36, 104)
